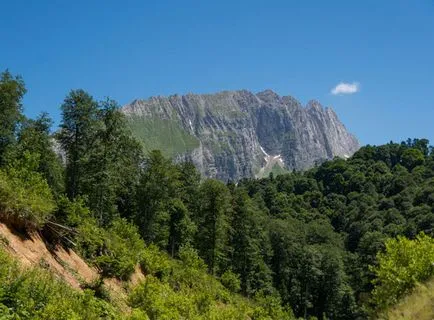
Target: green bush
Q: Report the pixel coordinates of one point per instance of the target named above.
(115, 251)
(155, 262)
(159, 301)
(270, 307)
(404, 263)
(231, 281)
(72, 213)
(120, 267)
(90, 239)
(122, 251)
(25, 197)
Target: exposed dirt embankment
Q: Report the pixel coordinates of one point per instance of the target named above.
(31, 250)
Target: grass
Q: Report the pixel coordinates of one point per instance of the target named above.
(417, 305)
(162, 134)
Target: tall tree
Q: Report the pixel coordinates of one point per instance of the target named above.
(78, 137)
(113, 163)
(12, 90)
(34, 137)
(214, 225)
(189, 179)
(157, 188)
(181, 226)
(251, 249)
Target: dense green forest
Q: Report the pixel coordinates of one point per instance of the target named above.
(340, 241)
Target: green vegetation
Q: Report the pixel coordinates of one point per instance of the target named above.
(166, 135)
(182, 289)
(275, 170)
(418, 304)
(25, 197)
(339, 241)
(404, 264)
(37, 294)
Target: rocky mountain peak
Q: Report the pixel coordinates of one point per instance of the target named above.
(234, 134)
(268, 96)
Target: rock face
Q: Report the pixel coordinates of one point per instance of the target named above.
(235, 134)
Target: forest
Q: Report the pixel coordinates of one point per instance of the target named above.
(344, 240)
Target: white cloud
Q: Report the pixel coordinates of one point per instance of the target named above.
(346, 88)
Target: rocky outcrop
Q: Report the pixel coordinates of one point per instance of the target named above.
(235, 134)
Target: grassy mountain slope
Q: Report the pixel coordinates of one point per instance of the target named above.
(165, 135)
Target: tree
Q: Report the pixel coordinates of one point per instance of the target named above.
(404, 263)
(157, 187)
(251, 249)
(78, 137)
(189, 179)
(12, 90)
(214, 225)
(113, 163)
(34, 137)
(181, 226)
(412, 158)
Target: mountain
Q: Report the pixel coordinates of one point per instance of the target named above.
(234, 134)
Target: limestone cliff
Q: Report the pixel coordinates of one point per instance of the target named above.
(235, 134)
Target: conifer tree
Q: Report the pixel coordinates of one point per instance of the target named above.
(12, 90)
(77, 137)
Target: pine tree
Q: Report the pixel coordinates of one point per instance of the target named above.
(157, 188)
(214, 225)
(34, 137)
(113, 163)
(77, 137)
(251, 250)
(12, 90)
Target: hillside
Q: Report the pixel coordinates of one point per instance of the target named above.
(417, 305)
(40, 280)
(235, 134)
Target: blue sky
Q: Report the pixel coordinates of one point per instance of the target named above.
(136, 49)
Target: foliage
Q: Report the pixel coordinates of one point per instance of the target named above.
(154, 262)
(188, 292)
(416, 305)
(25, 197)
(36, 294)
(12, 90)
(34, 137)
(231, 281)
(404, 263)
(115, 251)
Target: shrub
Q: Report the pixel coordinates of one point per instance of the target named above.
(231, 281)
(120, 266)
(73, 213)
(404, 263)
(121, 250)
(270, 307)
(25, 197)
(159, 301)
(90, 239)
(155, 262)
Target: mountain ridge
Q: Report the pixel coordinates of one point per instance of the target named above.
(224, 134)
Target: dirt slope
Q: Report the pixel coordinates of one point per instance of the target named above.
(31, 250)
